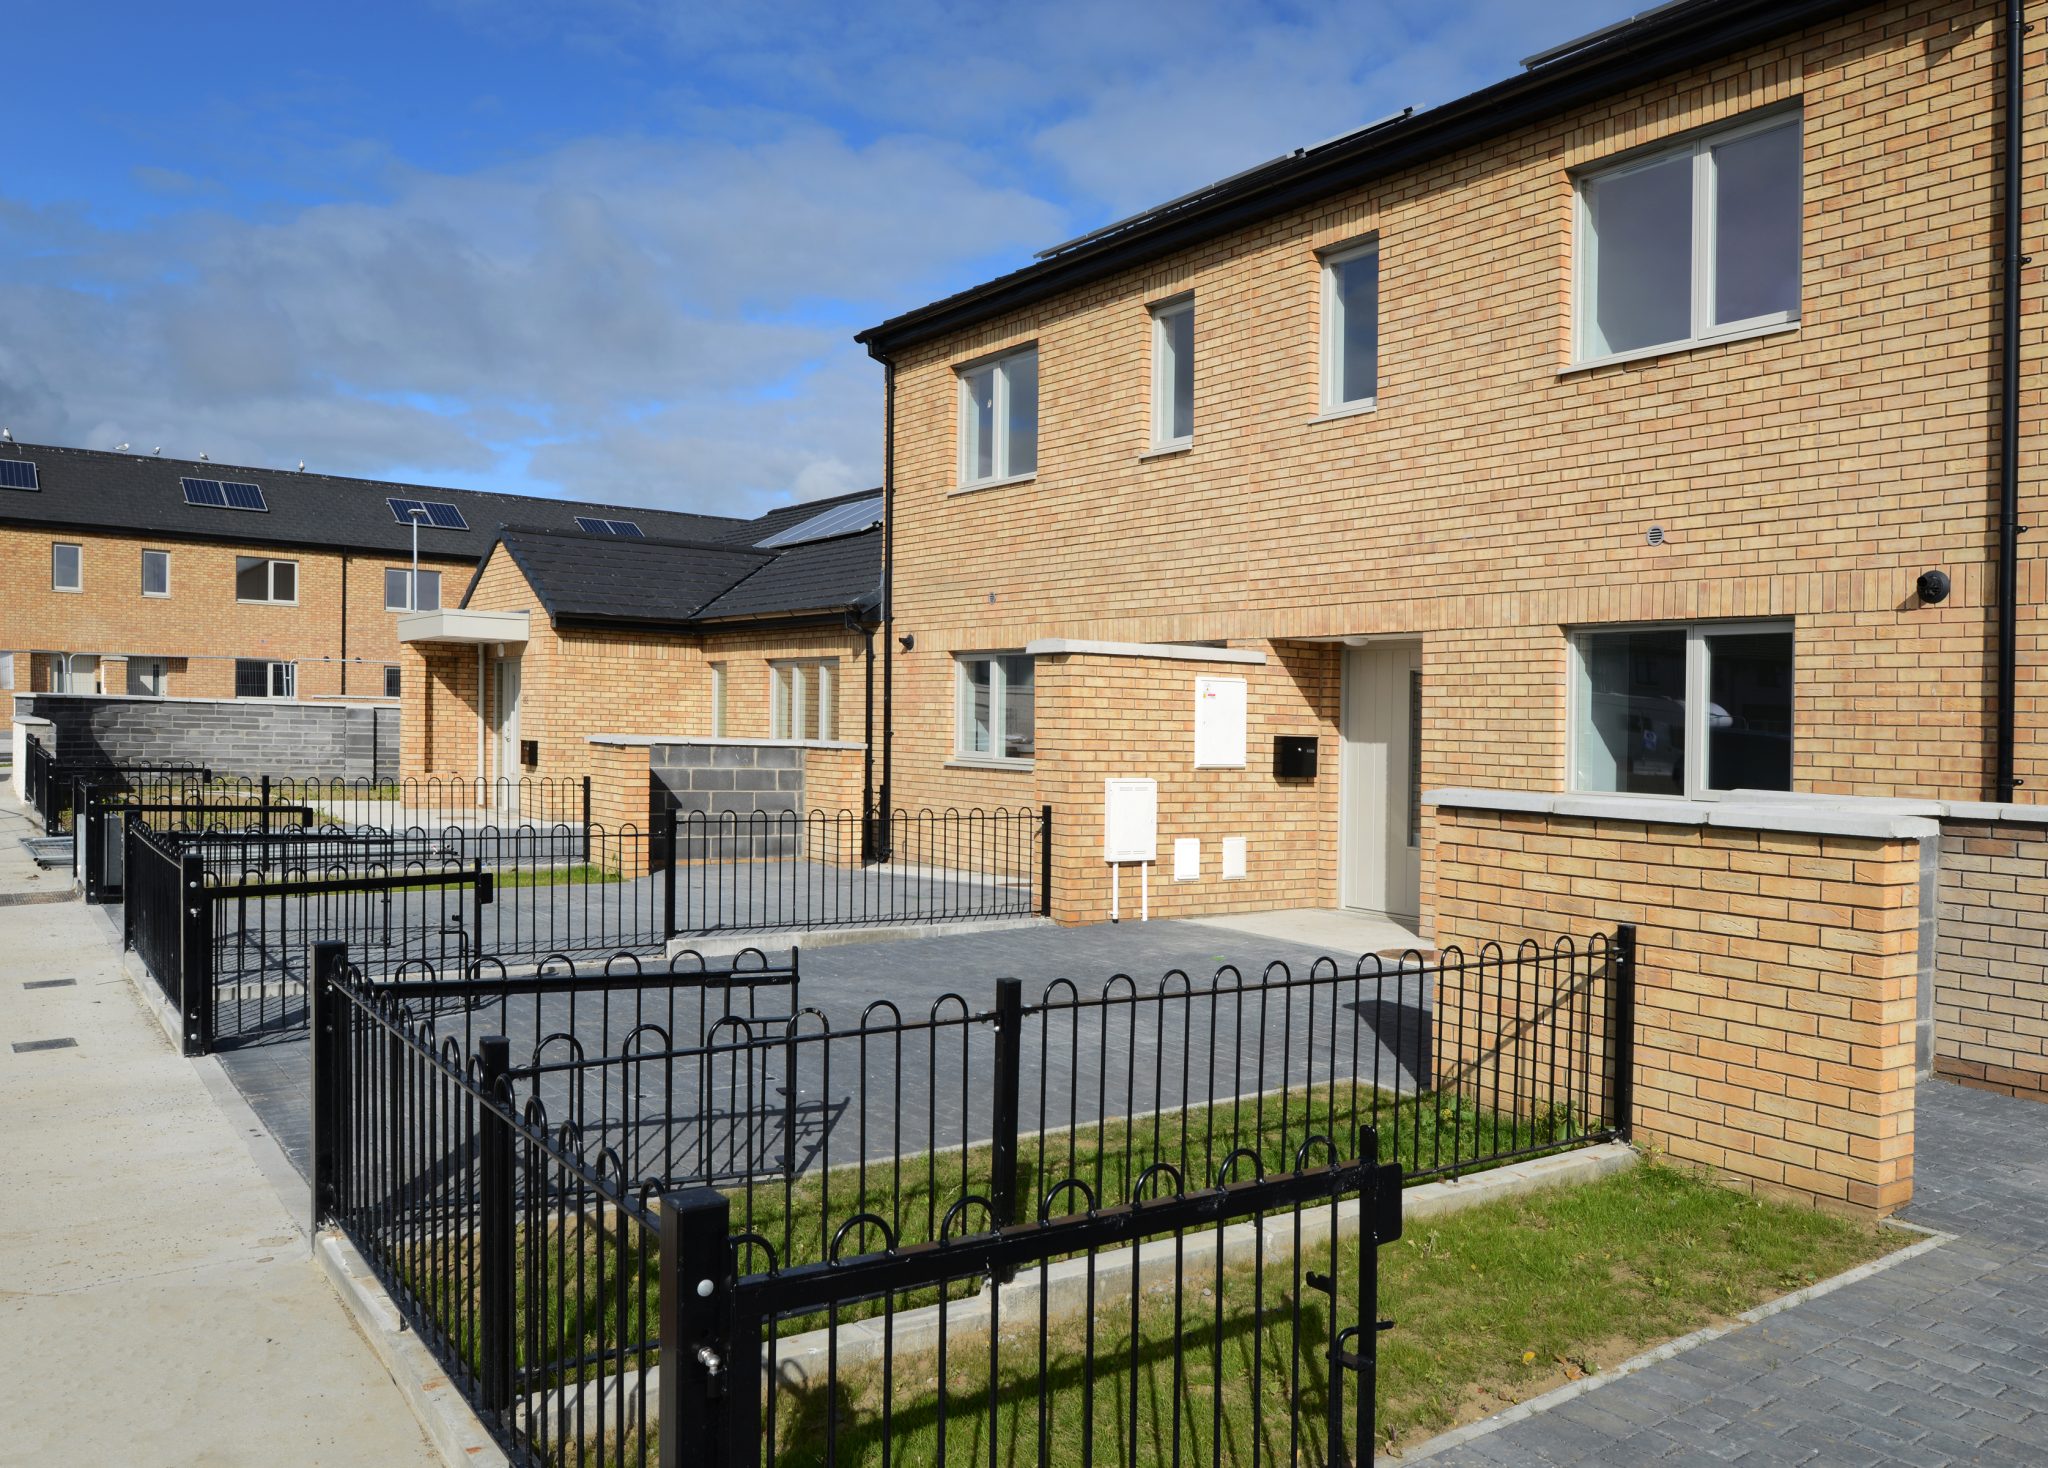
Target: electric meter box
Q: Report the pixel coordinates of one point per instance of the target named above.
(1130, 820)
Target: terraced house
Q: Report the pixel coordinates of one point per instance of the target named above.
(1623, 453)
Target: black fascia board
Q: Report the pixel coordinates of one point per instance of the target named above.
(1704, 31)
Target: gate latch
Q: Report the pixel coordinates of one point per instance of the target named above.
(714, 1369)
(1352, 1360)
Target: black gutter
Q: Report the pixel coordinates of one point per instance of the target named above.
(886, 795)
(2009, 527)
(1705, 31)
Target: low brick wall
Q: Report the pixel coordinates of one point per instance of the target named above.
(1991, 995)
(253, 737)
(1776, 976)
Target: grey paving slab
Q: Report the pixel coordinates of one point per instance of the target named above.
(1939, 1361)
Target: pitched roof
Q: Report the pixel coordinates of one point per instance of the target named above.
(89, 489)
(681, 584)
(1649, 45)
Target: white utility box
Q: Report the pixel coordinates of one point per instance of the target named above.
(1130, 820)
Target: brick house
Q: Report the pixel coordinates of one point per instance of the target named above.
(592, 650)
(1626, 435)
(129, 574)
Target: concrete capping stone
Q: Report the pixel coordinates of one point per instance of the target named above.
(1816, 815)
(1046, 647)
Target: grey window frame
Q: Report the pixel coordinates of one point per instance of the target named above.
(77, 565)
(166, 556)
(271, 563)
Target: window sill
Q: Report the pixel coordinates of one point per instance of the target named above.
(1002, 483)
(157, 595)
(968, 762)
(1673, 349)
(243, 601)
(69, 590)
(1348, 410)
(1167, 450)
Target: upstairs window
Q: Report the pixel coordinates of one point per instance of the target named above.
(398, 595)
(1351, 327)
(67, 567)
(156, 573)
(999, 419)
(1173, 374)
(264, 581)
(1691, 244)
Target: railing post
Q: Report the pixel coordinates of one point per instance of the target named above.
(668, 878)
(1002, 1190)
(1625, 1031)
(479, 894)
(329, 1026)
(586, 820)
(1045, 861)
(496, 1224)
(195, 955)
(698, 1355)
(128, 825)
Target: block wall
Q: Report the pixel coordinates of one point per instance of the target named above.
(1776, 981)
(233, 737)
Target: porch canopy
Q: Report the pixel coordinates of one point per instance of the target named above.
(460, 626)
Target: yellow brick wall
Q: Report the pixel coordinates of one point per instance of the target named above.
(1991, 996)
(576, 682)
(1491, 501)
(200, 627)
(1776, 979)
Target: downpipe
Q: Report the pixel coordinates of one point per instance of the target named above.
(2009, 527)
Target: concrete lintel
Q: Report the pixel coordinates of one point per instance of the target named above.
(1046, 647)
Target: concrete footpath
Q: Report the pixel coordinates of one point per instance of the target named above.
(158, 1303)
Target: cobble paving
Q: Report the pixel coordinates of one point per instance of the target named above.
(1939, 1361)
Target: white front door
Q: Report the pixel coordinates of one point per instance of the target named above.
(1379, 779)
(505, 720)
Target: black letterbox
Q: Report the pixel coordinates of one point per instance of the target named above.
(1294, 756)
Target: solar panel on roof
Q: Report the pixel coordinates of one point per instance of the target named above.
(624, 529)
(205, 492)
(18, 474)
(846, 519)
(439, 514)
(243, 496)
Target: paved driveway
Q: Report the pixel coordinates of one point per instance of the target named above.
(1940, 1360)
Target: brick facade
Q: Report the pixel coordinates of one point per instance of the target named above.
(1495, 499)
(1991, 1002)
(1775, 987)
(338, 634)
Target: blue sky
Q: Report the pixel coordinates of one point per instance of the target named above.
(615, 250)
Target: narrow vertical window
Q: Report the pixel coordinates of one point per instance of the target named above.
(718, 700)
(1173, 373)
(1351, 327)
(391, 680)
(67, 567)
(156, 573)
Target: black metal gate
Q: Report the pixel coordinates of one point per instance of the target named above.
(1227, 1325)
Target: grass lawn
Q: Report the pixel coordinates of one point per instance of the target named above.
(1492, 1306)
(579, 874)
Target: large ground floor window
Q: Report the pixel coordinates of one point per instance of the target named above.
(995, 717)
(258, 679)
(805, 702)
(1682, 710)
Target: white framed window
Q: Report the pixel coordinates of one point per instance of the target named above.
(1173, 373)
(257, 678)
(67, 566)
(156, 573)
(6, 670)
(994, 716)
(1690, 244)
(718, 676)
(1351, 327)
(804, 699)
(391, 680)
(1682, 709)
(999, 418)
(146, 677)
(261, 580)
(398, 595)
